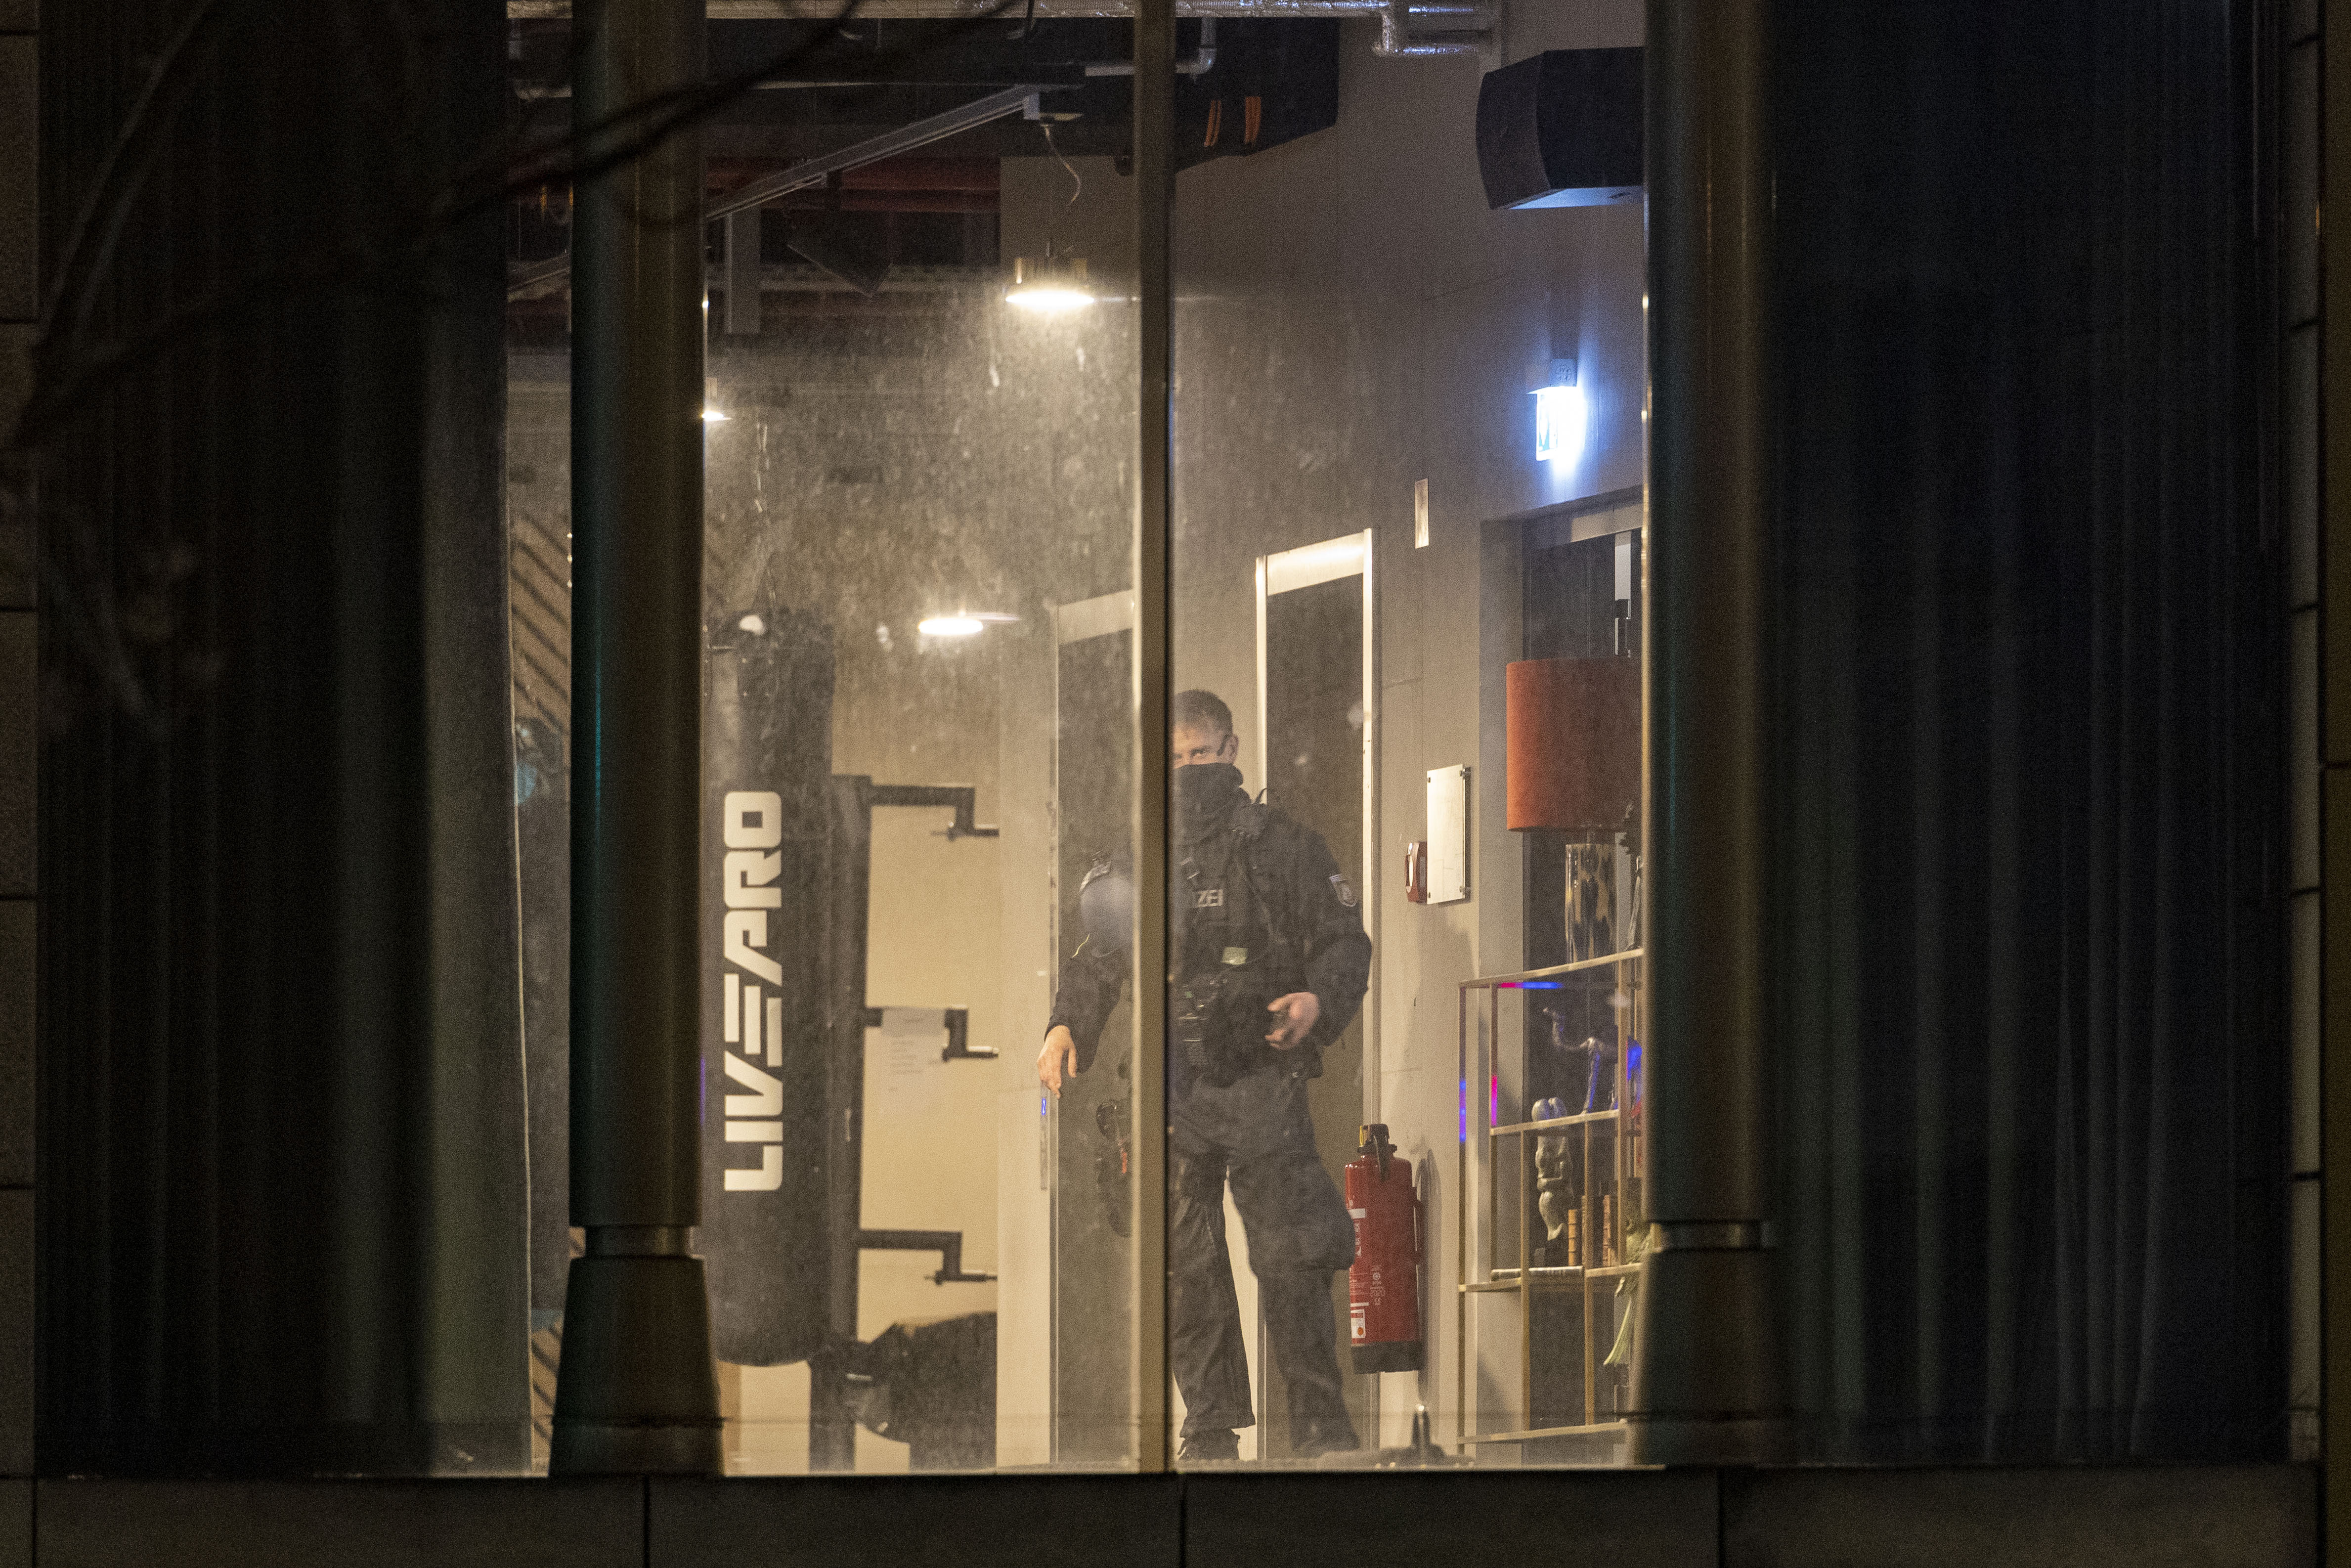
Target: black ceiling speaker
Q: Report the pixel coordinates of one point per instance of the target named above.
(1561, 129)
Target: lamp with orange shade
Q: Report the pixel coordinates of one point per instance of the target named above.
(1572, 738)
(1573, 741)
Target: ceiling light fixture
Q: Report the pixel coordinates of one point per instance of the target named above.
(1053, 287)
(952, 626)
(1057, 285)
(963, 624)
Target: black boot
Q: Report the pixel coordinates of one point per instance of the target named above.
(1209, 1448)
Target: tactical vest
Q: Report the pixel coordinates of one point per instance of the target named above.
(1231, 955)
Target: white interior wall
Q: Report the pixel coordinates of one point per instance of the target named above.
(932, 1134)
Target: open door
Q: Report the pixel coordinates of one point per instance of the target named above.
(1318, 730)
(1094, 1204)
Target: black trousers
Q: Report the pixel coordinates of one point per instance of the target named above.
(1255, 1133)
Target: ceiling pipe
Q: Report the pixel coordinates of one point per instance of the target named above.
(1474, 17)
(1399, 39)
(1203, 60)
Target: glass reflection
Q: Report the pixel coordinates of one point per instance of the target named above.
(917, 738)
(1405, 618)
(914, 488)
(1418, 588)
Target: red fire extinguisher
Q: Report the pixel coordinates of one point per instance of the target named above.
(1383, 1286)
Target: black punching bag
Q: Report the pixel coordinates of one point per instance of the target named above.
(767, 766)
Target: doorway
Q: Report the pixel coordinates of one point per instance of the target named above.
(1318, 736)
(1094, 1201)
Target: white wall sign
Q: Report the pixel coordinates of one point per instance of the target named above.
(1448, 834)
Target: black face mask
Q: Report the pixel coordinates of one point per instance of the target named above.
(1205, 792)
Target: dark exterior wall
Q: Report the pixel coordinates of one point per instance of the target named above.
(285, 1227)
(2297, 165)
(19, 281)
(2318, 449)
(2211, 1517)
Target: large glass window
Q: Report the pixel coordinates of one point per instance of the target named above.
(1195, 842)
(917, 748)
(920, 551)
(1401, 1064)
(1404, 854)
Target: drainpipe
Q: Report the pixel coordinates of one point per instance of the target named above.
(634, 1392)
(1707, 1385)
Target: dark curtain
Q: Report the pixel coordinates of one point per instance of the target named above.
(2028, 721)
(281, 1184)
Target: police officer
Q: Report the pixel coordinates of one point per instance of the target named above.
(1269, 965)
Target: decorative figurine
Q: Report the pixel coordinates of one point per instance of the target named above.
(1554, 1197)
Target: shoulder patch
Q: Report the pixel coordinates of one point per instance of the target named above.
(1343, 889)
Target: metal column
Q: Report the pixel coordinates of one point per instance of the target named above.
(636, 1392)
(1155, 179)
(1706, 1378)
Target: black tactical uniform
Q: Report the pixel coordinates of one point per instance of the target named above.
(1258, 909)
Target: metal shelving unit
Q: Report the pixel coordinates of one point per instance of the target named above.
(1590, 1159)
